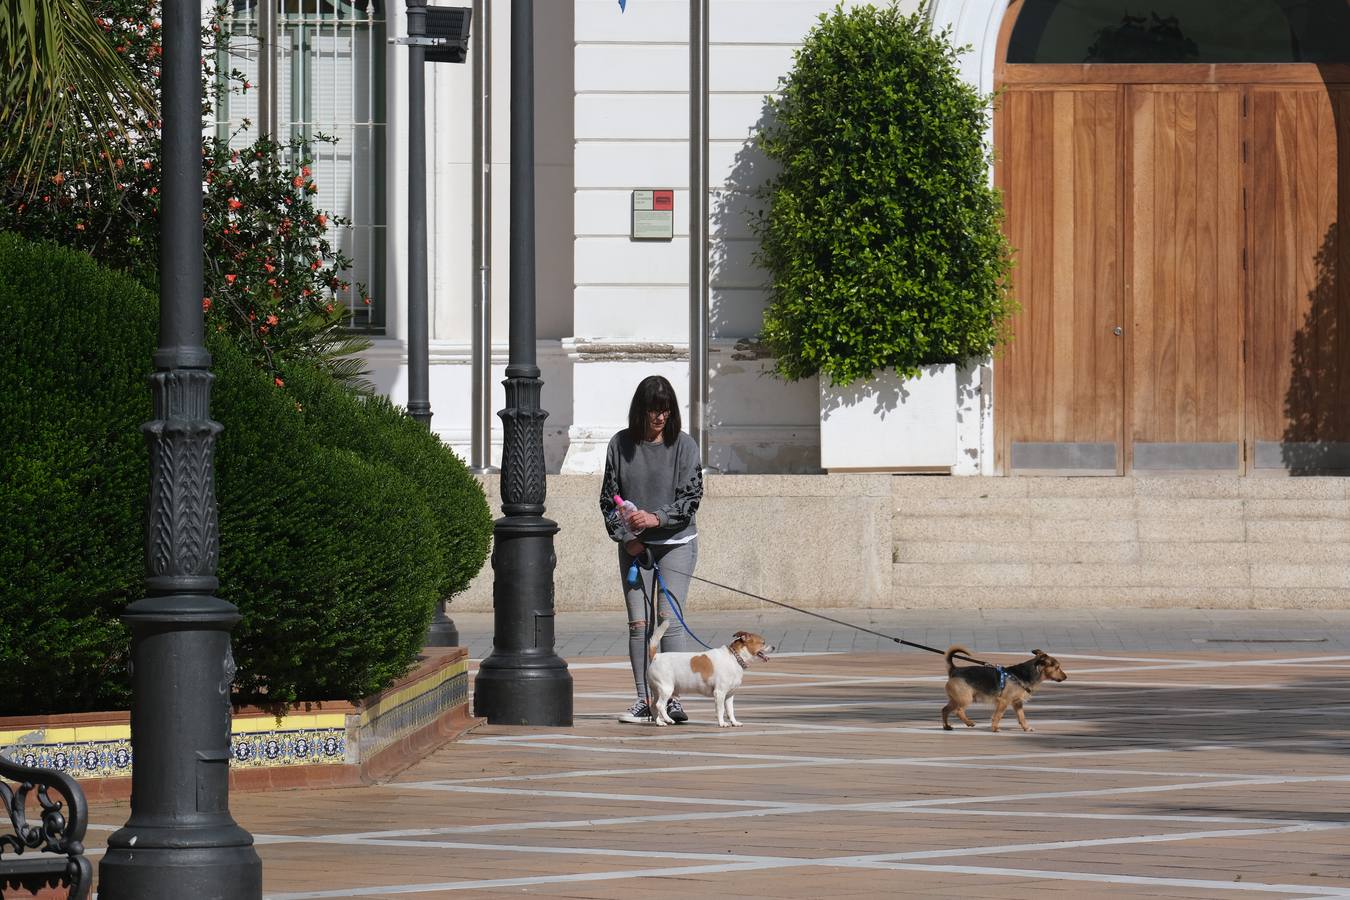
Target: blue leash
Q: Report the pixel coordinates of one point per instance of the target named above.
(674, 601)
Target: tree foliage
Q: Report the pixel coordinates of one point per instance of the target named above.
(274, 280)
(882, 234)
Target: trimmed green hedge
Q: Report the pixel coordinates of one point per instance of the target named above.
(882, 236)
(376, 429)
(331, 546)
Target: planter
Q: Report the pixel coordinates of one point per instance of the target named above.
(326, 743)
(889, 424)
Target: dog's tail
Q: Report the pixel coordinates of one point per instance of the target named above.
(951, 666)
(655, 643)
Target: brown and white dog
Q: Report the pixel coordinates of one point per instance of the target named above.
(716, 673)
(1010, 686)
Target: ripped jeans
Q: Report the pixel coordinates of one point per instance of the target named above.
(682, 557)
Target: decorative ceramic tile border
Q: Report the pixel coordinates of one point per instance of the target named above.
(266, 749)
(415, 707)
(258, 740)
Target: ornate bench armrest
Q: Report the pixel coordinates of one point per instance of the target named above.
(60, 831)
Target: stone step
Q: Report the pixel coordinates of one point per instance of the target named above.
(1199, 508)
(1077, 598)
(1335, 575)
(1175, 486)
(1170, 552)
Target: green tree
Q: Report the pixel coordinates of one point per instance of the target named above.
(274, 281)
(882, 234)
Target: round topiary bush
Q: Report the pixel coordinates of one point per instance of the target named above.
(332, 558)
(74, 476)
(882, 234)
(374, 428)
(332, 554)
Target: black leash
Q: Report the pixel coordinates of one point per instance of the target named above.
(727, 587)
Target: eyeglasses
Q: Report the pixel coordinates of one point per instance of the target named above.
(658, 413)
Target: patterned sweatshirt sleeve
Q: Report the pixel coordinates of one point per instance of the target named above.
(609, 486)
(688, 491)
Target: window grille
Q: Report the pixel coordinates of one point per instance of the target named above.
(326, 76)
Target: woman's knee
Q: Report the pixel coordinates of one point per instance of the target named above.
(638, 627)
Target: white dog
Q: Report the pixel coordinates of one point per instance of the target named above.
(716, 673)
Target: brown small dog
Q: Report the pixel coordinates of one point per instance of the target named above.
(1007, 687)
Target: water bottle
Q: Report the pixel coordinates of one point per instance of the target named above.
(622, 509)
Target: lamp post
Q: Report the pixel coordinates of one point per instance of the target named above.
(523, 681)
(180, 840)
(435, 34)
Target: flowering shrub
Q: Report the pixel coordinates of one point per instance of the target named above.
(273, 281)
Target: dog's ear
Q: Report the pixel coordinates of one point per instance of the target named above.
(1037, 652)
(740, 635)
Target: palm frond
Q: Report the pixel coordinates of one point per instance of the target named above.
(61, 70)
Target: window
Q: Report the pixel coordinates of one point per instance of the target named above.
(1181, 31)
(328, 65)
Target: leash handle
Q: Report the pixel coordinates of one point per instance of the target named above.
(960, 656)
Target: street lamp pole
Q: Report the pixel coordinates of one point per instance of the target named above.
(419, 402)
(180, 840)
(523, 681)
(442, 631)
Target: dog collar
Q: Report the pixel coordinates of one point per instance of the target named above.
(737, 656)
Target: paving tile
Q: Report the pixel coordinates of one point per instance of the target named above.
(1164, 767)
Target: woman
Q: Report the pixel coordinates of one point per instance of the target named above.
(656, 466)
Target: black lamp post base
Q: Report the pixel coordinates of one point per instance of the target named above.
(442, 631)
(207, 873)
(524, 692)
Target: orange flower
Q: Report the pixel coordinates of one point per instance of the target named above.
(229, 279)
(279, 382)
(271, 320)
(322, 220)
(206, 304)
(146, 165)
(298, 181)
(234, 203)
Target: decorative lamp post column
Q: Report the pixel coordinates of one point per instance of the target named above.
(523, 682)
(180, 840)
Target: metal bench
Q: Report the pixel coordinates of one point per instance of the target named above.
(58, 841)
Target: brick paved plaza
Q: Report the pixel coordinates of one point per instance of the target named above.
(1218, 770)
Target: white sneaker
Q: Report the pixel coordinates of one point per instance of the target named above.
(638, 713)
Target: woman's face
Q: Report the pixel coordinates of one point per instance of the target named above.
(656, 421)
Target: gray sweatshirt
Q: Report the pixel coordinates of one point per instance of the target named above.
(664, 481)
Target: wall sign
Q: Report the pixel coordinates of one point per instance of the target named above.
(653, 215)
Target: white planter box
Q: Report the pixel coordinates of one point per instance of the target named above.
(890, 424)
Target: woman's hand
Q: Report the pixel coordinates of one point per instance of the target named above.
(642, 519)
(634, 548)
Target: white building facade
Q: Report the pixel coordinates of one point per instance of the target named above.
(612, 117)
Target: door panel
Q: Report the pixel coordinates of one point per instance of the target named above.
(1060, 379)
(1299, 303)
(1186, 238)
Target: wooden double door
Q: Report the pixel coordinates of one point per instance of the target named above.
(1179, 263)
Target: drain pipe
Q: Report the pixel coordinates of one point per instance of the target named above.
(480, 453)
(698, 226)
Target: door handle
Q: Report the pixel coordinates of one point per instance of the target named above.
(1117, 331)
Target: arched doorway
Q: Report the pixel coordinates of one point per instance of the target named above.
(1175, 173)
